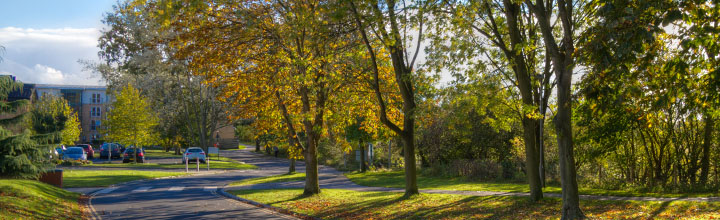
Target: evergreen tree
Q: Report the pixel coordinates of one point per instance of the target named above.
(19, 155)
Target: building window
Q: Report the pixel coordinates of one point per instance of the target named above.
(95, 112)
(96, 98)
(92, 125)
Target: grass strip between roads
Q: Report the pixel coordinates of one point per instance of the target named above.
(346, 204)
(100, 178)
(271, 179)
(30, 199)
(214, 164)
(396, 179)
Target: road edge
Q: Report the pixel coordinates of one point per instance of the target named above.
(266, 206)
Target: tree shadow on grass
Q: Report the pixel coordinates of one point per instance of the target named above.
(660, 209)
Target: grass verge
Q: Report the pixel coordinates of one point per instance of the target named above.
(396, 179)
(161, 154)
(30, 199)
(215, 164)
(99, 178)
(271, 179)
(346, 204)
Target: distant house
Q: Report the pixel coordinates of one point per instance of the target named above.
(90, 103)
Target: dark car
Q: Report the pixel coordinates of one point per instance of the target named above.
(114, 150)
(128, 155)
(88, 149)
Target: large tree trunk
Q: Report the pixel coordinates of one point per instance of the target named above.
(707, 142)
(257, 144)
(292, 166)
(532, 163)
(570, 195)
(410, 167)
(363, 154)
(312, 182)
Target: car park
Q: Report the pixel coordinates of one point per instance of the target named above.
(128, 155)
(74, 153)
(88, 150)
(194, 154)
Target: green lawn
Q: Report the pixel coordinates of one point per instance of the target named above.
(161, 154)
(346, 204)
(240, 147)
(98, 178)
(396, 179)
(222, 164)
(271, 179)
(29, 199)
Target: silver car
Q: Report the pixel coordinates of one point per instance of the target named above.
(74, 153)
(193, 154)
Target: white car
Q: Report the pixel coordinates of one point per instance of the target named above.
(192, 154)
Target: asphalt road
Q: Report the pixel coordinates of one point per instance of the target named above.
(189, 197)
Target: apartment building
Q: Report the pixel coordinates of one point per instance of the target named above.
(90, 103)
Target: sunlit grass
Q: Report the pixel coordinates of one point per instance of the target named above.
(346, 204)
(29, 199)
(271, 179)
(396, 179)
(98, 178)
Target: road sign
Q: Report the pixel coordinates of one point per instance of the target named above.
(213, 150)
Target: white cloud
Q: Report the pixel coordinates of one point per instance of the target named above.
(49, 55)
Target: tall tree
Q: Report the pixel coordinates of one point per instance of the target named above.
(563, 58)
(282, 55)
(389, 21)
(20, 155)
(71, 132)
(501, 36)
(135, 51)
(130, 120)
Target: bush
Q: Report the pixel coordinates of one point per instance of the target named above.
(471, 169)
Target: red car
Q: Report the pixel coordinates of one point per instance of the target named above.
(88, 149)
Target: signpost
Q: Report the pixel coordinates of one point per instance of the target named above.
(214, 150)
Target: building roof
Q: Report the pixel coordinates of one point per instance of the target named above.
(57, 86)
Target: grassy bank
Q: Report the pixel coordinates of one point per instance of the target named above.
(99, 178)
(271, 179)
(396, 179)
(345, 204)
(29, 199)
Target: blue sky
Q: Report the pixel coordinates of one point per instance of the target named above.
(53, 13)
(44, 39)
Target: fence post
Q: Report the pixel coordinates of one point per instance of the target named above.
(197, 161)
(186, 165)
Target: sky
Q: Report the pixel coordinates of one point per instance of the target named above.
(44, 39)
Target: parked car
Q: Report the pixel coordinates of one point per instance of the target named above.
(194, 153)
(88, 150)
(74, 153)
(59, 150)
(113, 149)
(128, 155)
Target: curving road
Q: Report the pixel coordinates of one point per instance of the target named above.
(189, 197)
